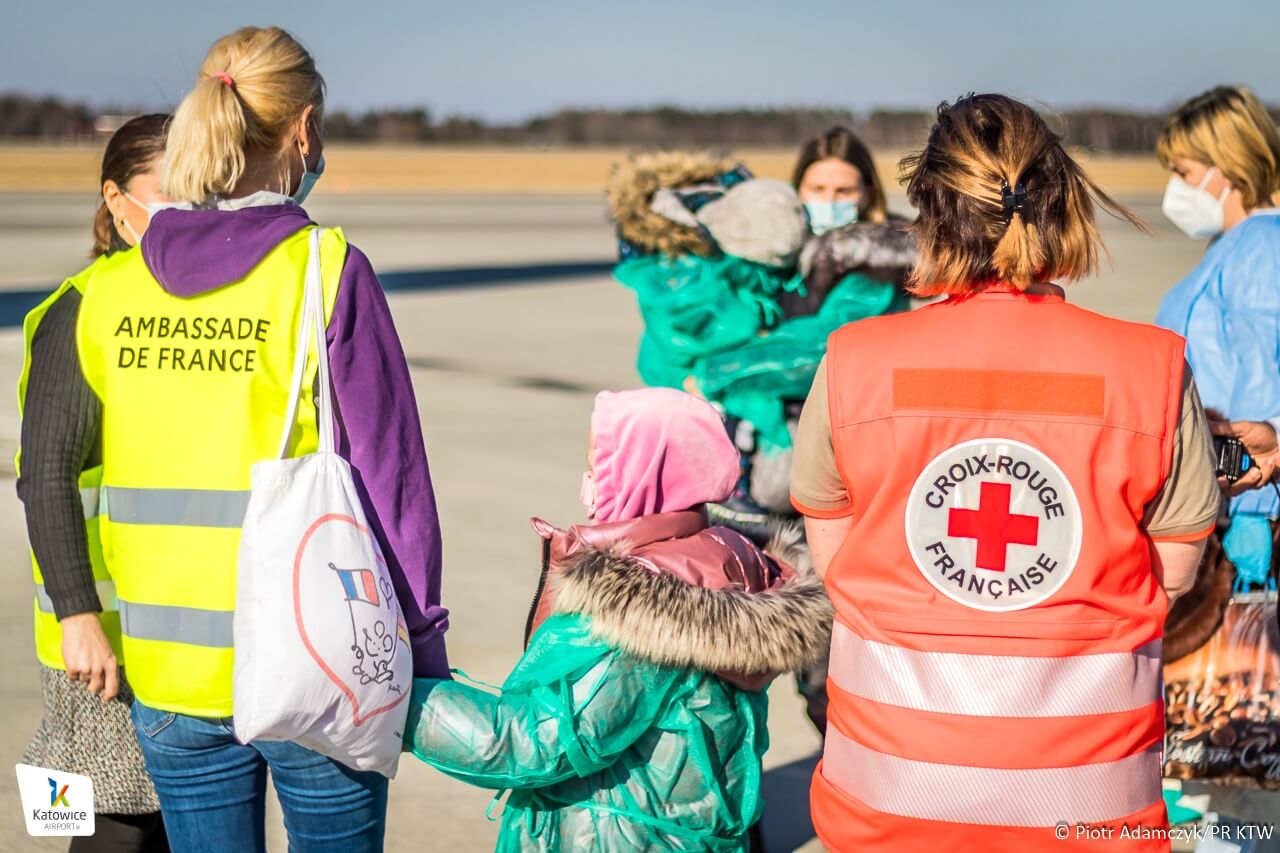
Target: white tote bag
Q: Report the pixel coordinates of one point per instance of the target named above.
(322, 655)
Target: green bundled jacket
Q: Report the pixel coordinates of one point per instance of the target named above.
(753, 380)
(721, 321)
(695, 306)
(612, 732)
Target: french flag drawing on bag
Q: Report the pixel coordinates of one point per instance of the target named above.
(322, 654)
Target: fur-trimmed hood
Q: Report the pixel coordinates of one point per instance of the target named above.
(670, 589)
(630, 192)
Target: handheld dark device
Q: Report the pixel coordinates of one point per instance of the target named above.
(1231, 458)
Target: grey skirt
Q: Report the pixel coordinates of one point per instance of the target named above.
(80, 734)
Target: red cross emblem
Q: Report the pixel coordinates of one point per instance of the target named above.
(993, 526)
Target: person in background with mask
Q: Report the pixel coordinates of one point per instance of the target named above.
(189, 345)
(85, 727)
(1224, 152)
(860, 254)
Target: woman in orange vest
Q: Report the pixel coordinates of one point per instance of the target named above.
(1003, 492)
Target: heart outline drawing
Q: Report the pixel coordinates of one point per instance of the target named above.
(358, 718)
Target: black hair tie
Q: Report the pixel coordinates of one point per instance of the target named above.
(1013, 201)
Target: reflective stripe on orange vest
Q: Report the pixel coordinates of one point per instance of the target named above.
(995, 685)
(1035, 797)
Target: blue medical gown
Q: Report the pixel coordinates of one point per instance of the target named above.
(1228, 309)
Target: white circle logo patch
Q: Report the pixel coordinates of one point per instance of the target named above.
(994, 524)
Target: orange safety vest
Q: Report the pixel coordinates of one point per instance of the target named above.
(995, 678)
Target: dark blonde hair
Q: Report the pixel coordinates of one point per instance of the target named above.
(843, 144)
(1227, 128)
(252, 86)
(131, 151)
(982, 150)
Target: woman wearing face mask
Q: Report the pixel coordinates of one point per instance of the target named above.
(1224, 153)
(85, 727)
(860, 254)
(189, 343)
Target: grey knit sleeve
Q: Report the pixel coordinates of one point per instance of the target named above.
(60, 425)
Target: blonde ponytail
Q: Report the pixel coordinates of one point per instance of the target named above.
(205, 155)
(252, 86)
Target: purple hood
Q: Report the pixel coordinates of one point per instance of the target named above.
(194, 251)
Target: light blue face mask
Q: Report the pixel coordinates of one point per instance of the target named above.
(309, 179)
(827, 216)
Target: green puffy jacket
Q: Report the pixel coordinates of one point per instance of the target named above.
(612, 733)
(753, 380)
(720, 321)
(694, 306)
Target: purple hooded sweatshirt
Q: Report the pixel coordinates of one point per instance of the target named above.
(194, 251)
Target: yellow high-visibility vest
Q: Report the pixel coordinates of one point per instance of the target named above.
(47, 629)
(194, 391)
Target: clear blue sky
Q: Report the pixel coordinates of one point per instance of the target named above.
(507, 60)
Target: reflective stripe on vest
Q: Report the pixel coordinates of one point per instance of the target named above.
(89, 501)
(1088, 793)
(177, 507)
(106, 597)
(190, 625)
(995, 685)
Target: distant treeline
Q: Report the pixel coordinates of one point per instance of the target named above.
(1110, 130)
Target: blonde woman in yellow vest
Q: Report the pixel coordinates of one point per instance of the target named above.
(189, 344)
(86, 726)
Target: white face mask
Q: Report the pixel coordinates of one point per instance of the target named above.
(1194, 209)
(309, 178)
(137, 238)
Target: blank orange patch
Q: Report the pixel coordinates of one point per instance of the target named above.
(1019, 391)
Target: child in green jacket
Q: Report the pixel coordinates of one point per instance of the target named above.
(636, 718)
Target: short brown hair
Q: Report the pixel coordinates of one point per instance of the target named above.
(843, 144)
(1227, 128)
(982, 150)
(132, 150)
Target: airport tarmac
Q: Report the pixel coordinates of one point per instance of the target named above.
(505, 370)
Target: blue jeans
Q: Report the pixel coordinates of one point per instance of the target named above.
(213, 789)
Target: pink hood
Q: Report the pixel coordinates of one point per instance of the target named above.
(658, 450)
